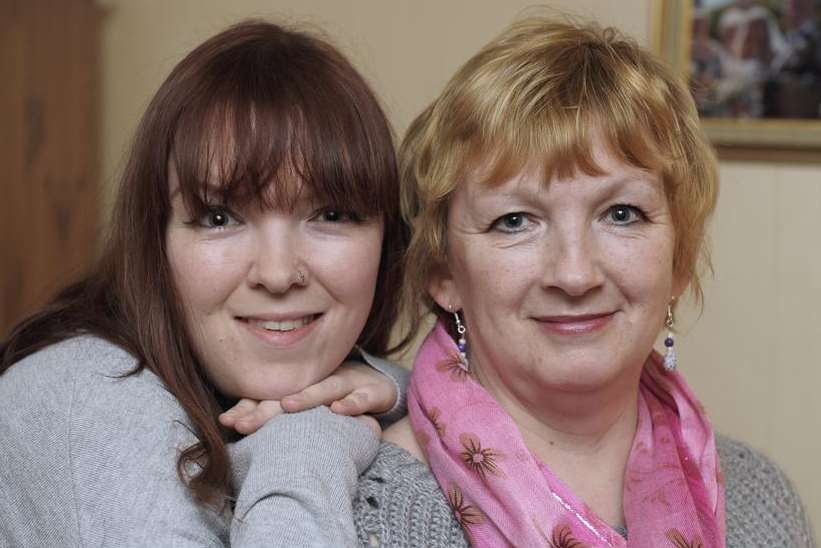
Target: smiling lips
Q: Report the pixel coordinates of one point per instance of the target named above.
(281, 332)
(284, 325)
(581, 324)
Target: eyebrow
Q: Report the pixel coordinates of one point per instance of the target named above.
(209, 189)
(637, 176)
(644, 179)
(176, 191)
(607, 186)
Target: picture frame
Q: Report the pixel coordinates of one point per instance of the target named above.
(756, 106)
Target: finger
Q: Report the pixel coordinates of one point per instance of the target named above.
(371, 423)
(242, 408)
(265, 411)
(325, 392)
(375, 397)
(355, 403)
(378, 389)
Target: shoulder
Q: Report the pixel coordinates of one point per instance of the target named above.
(93, 448)
(43, 387)
(67, 359)
(763, 508)
(80, 376)
(399, 503)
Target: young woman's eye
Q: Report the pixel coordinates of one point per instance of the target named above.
(511, 223)
(217, 218)
(624, 214)
(331, 215)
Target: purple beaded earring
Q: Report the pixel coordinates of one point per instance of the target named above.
(670, 361)
(462, 343)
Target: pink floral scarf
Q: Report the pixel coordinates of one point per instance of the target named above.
(504, 495)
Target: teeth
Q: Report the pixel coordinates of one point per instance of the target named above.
(288, 325)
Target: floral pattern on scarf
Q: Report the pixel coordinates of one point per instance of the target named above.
(502, 494)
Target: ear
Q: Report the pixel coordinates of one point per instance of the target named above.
(442, 289)
(680, 284)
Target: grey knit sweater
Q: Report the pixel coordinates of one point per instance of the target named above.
(88, 458)
(399, 503)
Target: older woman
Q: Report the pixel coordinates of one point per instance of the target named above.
(559, 189)
(256, 243)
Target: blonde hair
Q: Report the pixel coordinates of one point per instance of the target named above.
(542, 89)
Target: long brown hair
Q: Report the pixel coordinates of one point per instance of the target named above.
(265, 110)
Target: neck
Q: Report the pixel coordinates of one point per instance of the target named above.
(576, 422)
(583, 436)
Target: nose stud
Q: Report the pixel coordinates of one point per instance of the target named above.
(301, 278)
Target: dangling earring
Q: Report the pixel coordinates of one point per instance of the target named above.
(462, 343)
(670, 361)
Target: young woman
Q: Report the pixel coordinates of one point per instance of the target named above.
(255, 244)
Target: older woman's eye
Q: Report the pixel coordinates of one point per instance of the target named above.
(624, 214)
(511, 223)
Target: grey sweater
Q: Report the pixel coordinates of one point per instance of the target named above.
(399, 503)
(89, 459)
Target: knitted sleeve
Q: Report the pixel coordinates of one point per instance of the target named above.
(763, 508)
(297, 476)
(399, 503)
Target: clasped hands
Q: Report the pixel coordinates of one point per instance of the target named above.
(353, 389)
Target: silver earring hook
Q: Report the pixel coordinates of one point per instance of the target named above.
(462, 343)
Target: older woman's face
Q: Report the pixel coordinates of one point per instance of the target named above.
(564, 286)
(274, 299)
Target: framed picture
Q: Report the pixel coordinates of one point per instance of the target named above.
(754, 67)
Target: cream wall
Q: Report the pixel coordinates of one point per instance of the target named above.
(752, 355)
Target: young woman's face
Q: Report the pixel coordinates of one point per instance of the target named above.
(274, 299)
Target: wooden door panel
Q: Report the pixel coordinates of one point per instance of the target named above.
(49, 54)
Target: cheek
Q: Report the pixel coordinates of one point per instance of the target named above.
(645, 271)
(205, 273)
(349, 270)
(485, 276)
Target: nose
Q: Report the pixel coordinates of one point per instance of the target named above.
(276, 263)
(573, 262)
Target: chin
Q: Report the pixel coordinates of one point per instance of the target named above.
(583, 378)
(263, 387)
